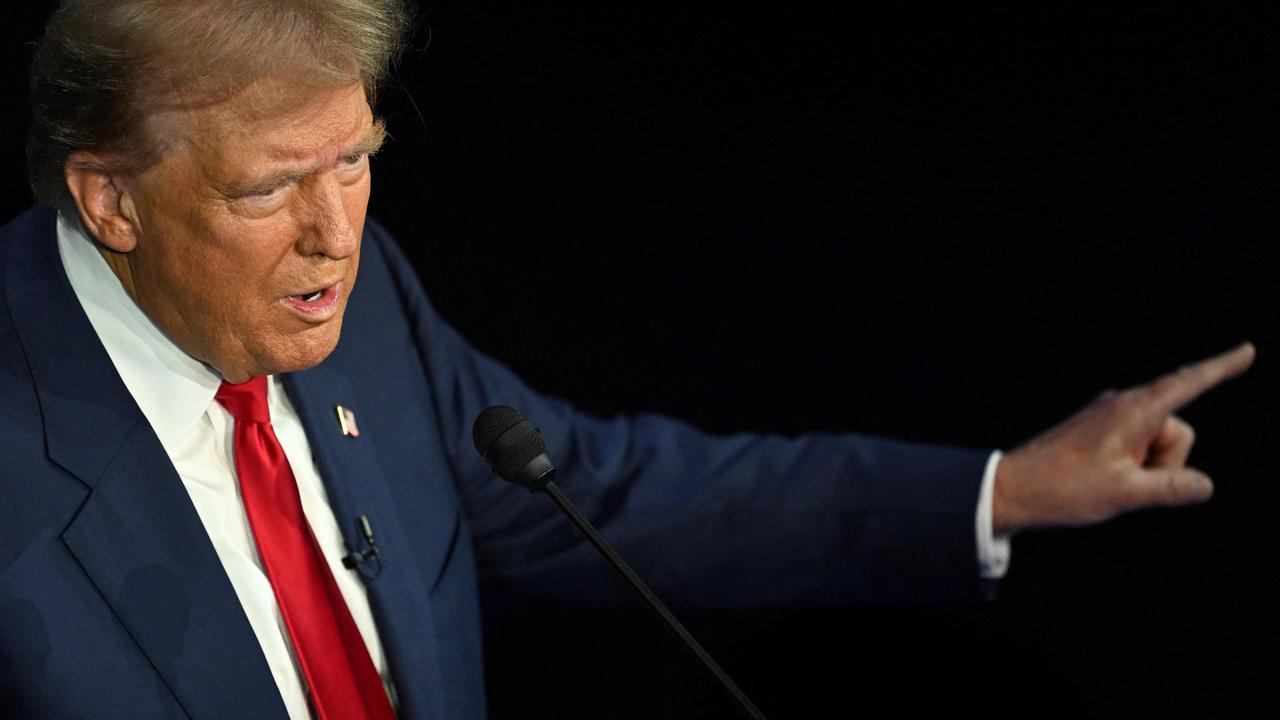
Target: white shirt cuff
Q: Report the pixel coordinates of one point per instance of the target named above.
(993, 550)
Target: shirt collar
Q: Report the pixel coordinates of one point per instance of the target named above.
(171, 388)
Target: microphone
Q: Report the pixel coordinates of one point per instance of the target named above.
(356, 559)
(513, 448)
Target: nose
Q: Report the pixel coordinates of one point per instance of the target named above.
(327, 228)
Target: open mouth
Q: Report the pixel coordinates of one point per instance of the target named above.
(315, 303)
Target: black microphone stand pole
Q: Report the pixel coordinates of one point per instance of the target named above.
(704, 658)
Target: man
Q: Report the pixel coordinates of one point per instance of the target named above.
(186, 351)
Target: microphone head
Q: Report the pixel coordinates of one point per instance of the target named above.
(512, 447)
(492, 422)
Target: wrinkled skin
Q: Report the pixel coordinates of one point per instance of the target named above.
(262, 197)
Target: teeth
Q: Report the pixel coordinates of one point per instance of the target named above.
(312, 297)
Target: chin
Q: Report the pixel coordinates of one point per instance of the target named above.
(302, 351)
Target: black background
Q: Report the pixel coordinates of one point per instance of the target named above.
(951, 226)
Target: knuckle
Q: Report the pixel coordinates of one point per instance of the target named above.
(1192, 374)
(1168, 384)
(1131, 408)
(1188, 433)
(1119, 402)
(1148, 492)
(1134, 495)
(1125, 495)
(1180, 488)
(1179, 429)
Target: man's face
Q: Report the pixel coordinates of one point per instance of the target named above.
(248, 231)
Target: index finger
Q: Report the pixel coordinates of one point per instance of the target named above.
(1172, 391)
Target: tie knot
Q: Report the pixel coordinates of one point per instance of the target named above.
(246, 401)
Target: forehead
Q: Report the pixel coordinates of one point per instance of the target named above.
(274, 122)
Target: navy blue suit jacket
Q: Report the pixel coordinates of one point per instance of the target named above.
(113, 603)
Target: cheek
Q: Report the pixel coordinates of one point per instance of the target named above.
(221, 275)
(356, 201)
(357, 204)
(176, 272)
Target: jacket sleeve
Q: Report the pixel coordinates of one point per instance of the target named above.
(710, 522)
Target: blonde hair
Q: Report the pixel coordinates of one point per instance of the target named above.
(104, 67)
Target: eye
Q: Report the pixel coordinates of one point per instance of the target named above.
(264, 199)
(352, 163)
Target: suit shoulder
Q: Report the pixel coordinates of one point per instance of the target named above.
(381, 250)
(36, 221)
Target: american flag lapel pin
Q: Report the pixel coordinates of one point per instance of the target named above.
(347, 421)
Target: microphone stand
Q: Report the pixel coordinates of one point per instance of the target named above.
(653, 603)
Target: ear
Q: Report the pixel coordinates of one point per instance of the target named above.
(105, 204)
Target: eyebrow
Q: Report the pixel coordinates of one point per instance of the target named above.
(369, 144)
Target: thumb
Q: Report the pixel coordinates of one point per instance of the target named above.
(1170, 487)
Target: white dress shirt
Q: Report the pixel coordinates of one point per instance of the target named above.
(993, 550)
(176, 394)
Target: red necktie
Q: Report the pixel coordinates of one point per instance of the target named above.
(335, 662)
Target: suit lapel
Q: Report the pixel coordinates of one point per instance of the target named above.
(143, 546)
(137, 535)
(356, 486)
